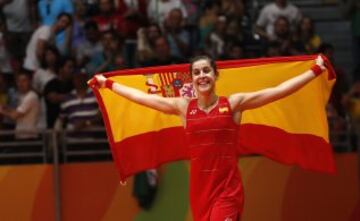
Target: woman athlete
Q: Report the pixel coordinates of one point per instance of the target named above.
(211, 123)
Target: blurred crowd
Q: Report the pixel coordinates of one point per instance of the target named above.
(50, 48)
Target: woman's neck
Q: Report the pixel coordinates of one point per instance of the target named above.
(206, 101)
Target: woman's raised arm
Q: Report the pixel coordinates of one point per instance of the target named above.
(245, 101)
(175, 106)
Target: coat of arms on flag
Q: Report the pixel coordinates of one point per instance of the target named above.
(170, 84)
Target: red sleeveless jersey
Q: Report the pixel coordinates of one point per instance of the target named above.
(216, 191)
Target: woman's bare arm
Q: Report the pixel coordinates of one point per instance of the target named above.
(175, 106)
(245, 101)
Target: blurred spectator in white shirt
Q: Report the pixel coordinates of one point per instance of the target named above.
(159, 9)
(26, 114)
(44, 35)
(48, 69)
(269, 14)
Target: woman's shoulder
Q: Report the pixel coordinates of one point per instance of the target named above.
(182, 104)
(184, 101)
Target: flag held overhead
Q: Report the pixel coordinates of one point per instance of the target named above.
(292, 130)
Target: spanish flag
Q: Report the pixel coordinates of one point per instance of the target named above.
(293, 130)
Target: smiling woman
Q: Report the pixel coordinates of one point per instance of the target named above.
(211, 128)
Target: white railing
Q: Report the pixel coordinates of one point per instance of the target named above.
(69, 146)
(93, 144)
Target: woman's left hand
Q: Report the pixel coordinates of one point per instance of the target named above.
(320, 61)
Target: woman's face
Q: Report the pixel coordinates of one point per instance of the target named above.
(203, 77)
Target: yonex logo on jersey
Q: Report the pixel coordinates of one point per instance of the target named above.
(223, 110)
(193, 111)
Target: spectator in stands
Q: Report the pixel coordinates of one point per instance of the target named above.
(232, 9)
(47, 71)
(134, 15)
(41, 37)
(207, 22)
(119, 61)
(352, 102)
(49, 64)
(233, 50)
(50, 10)
(26, 114)
(108, 19)
(20, 18)
(351, 10)
(283, 35)
(193, 11)
(305, 33)
(268, 15)
(273, 49)
(56, 90)
(89, 47)
(215, 43)
(5, 63)
(8, 98)
(80, 19)
(105, 61)
(158, 10)
(162, 54)
(80, 111)
(3, 98)
(92, 7)
(177, 36)
(146, 43)
(235, 33)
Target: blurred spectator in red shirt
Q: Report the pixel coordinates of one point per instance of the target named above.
(134, 13)
(108, 19)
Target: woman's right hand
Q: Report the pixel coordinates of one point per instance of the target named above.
(100, 80)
